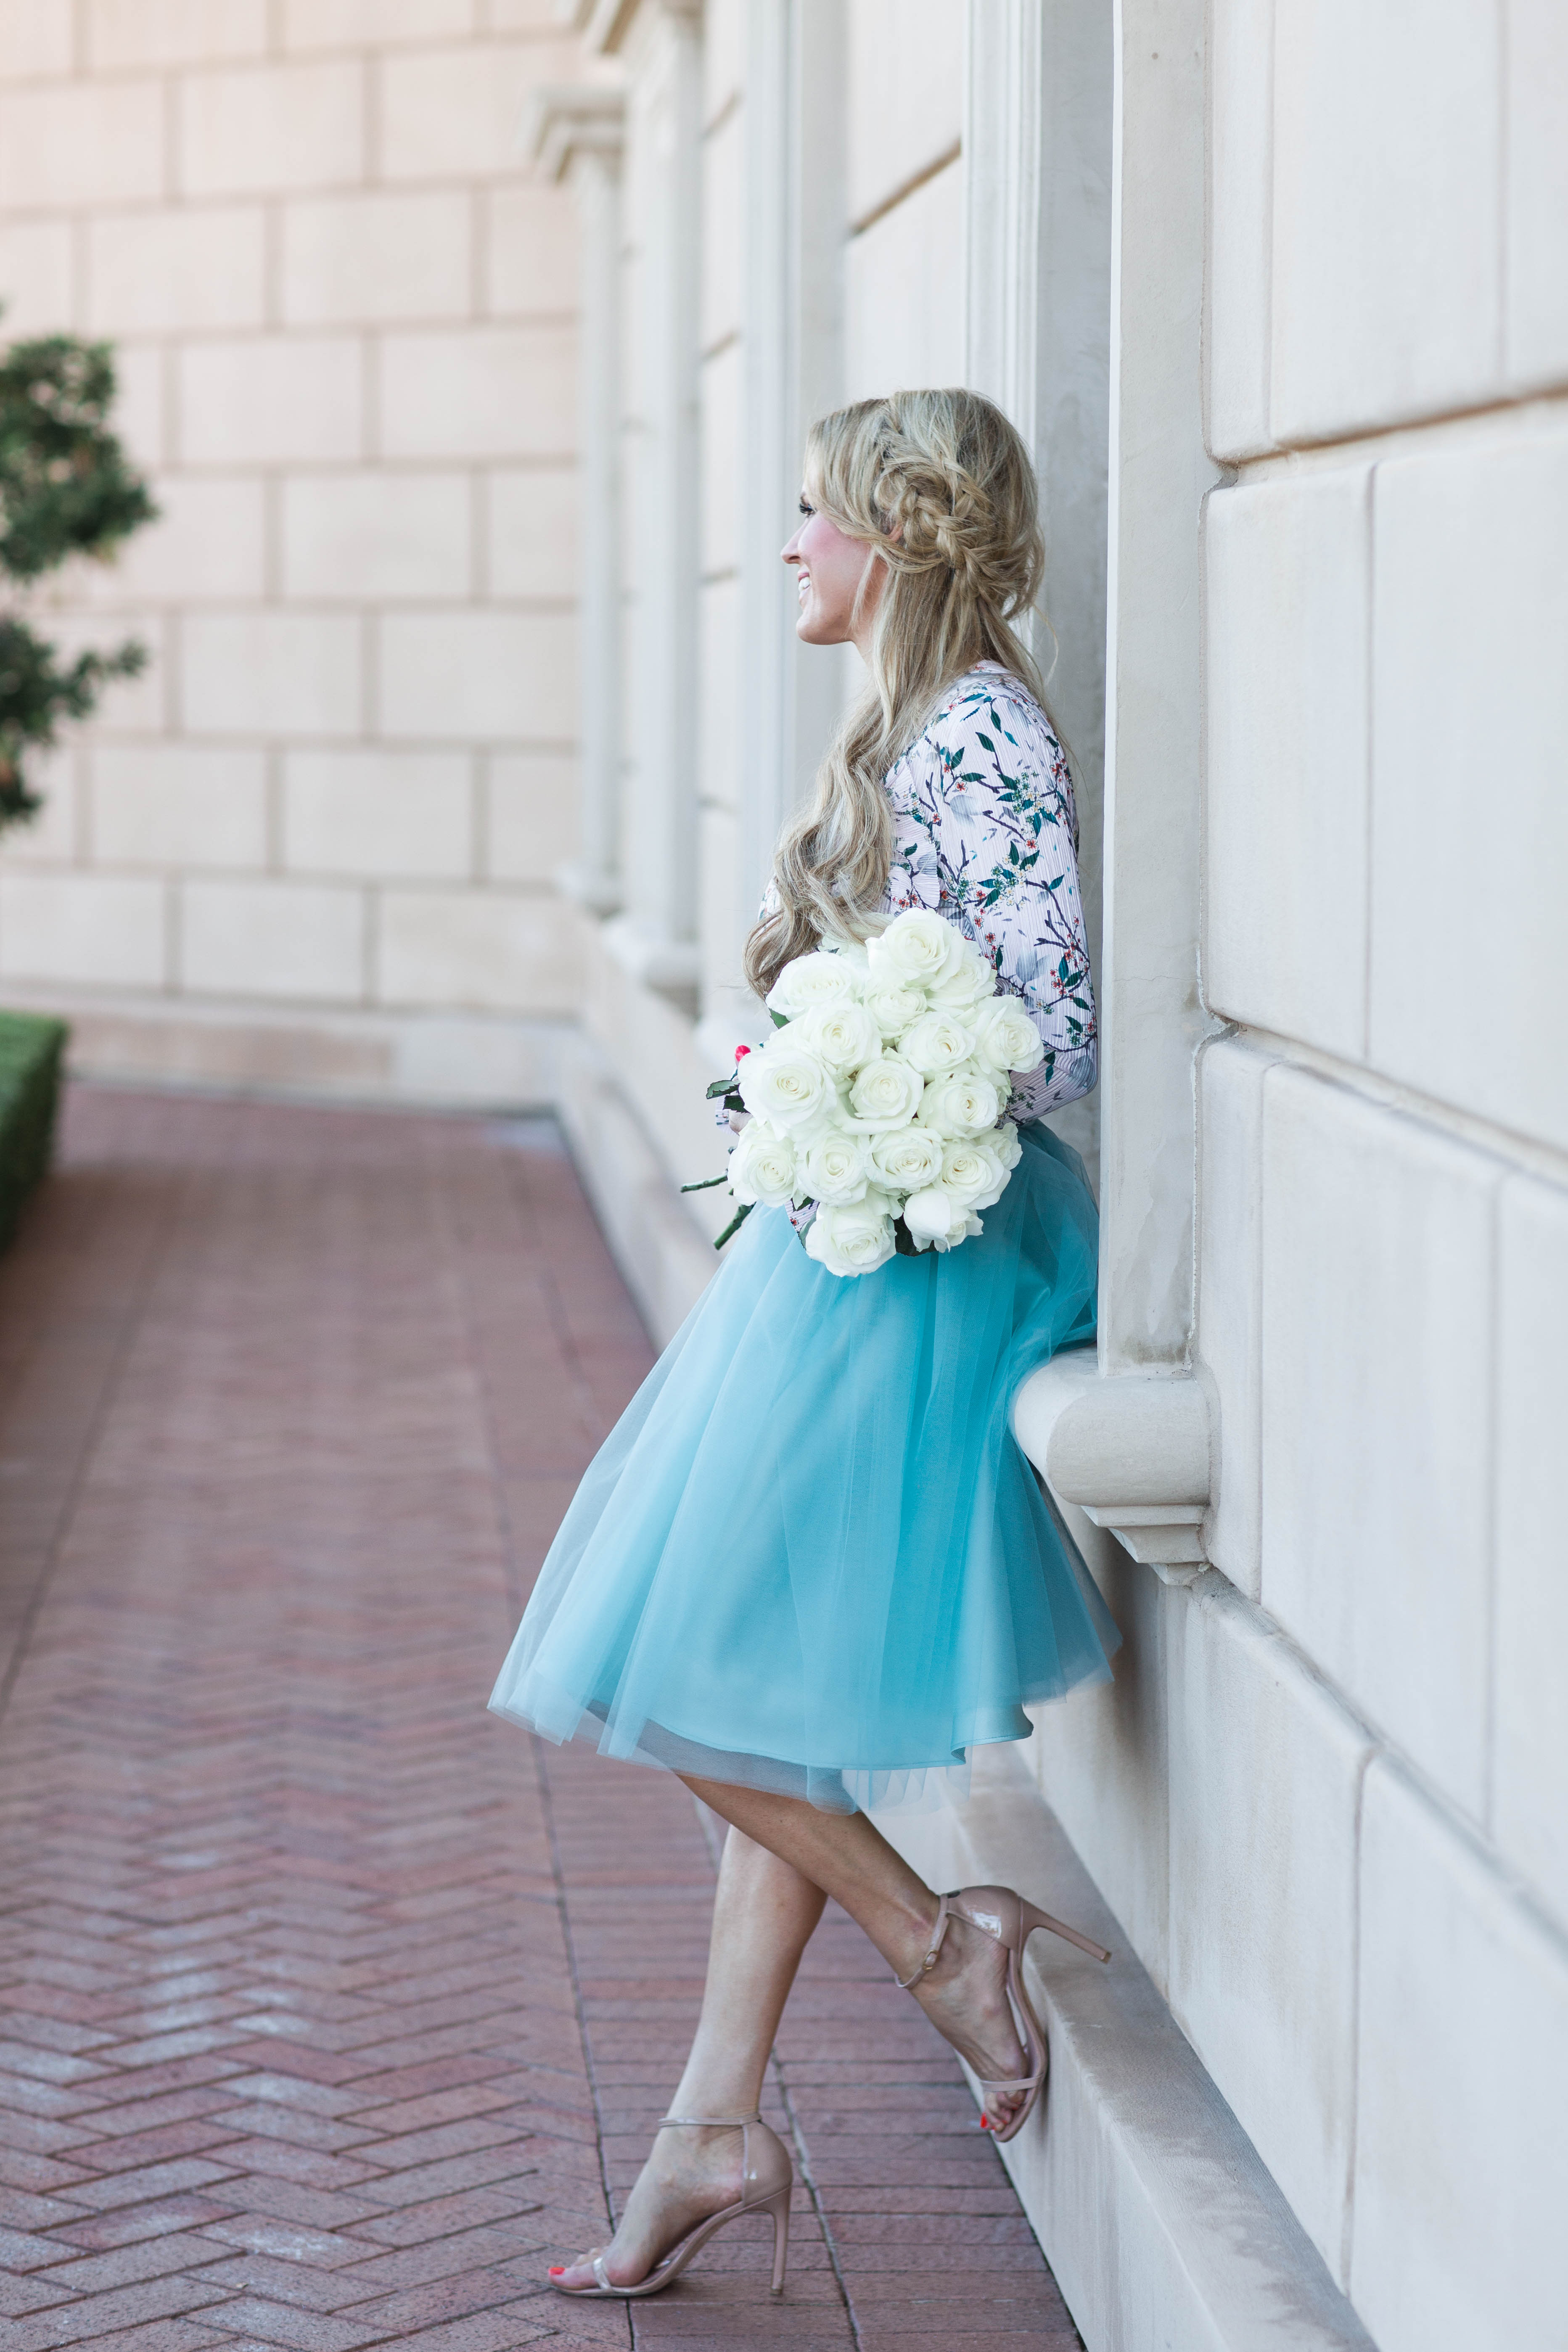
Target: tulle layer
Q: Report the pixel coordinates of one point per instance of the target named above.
(810, 1557)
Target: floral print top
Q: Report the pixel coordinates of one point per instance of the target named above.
(986, 832)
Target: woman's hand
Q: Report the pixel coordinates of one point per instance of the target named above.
(737, 1119)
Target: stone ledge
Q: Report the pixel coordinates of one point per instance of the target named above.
(663, 1257)
(1164, 2230)
(1132, 1452)
(467, 1061)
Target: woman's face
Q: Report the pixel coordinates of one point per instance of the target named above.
(829, 567)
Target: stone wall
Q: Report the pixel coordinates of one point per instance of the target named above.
(1383, 1140)
(1327, 1794)
(315, 841)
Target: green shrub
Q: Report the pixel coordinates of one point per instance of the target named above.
(67, 489)
(31, 1050)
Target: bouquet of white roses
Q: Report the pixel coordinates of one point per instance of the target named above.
(878, 1103)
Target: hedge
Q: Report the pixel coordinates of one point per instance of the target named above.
(31, 1050)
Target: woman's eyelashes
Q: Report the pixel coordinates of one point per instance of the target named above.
(806, 511)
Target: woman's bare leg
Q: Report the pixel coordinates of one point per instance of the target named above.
(782, 1859)
(846, 1856)
(764, 1914)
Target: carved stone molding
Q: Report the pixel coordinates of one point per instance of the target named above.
(605, 24)
(566, 120)
(1132, 1451)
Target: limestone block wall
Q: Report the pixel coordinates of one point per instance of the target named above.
(904, 290)
(316, 841)
(1327, 1796)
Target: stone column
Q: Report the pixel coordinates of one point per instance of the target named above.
(791, 343)
(1037, 147)
(577, 134)
(1160, 475)
(1127, 280)
(654, 938)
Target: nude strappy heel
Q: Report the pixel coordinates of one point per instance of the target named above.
(1001, 1913)
(767, 2177)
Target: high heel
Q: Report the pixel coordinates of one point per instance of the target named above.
(767, 2178)
(1004, 1914)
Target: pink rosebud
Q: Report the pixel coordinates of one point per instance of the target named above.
(742, 1052)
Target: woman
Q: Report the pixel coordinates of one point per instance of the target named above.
(810, 1566)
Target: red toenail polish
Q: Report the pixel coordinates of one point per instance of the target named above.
(557, 2270)
(985, 2123)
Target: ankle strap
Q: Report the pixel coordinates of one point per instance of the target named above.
(937, 1933)
(713, 2122)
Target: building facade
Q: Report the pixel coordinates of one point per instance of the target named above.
(314, 844)
(413, 299)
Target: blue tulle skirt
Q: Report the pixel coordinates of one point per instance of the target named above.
(810, 1557)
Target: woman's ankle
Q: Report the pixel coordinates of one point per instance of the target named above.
(916, 1936)
(699, 2148)
(716, 2095)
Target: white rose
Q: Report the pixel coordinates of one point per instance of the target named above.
(885, 1095)
(1004, 1036)
(917, 950)
(1006, 1146)
(937, 1044)
(973, 1172)
(841, 1033)
(854, 1239)
(764, 1166)
(893, 1007)
(817, 979)
(853, 953)
(962, 1229)
(966, 1102)
(908, 1159)
(835, 1169)
(785, 1085)
(968, 984)
(930, 1214)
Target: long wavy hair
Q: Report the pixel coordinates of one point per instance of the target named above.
(948, 474)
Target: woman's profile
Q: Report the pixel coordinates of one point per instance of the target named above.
(810, 1568)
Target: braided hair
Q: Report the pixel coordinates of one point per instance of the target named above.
(939, 485)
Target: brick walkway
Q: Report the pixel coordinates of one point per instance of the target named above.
(334, 2008)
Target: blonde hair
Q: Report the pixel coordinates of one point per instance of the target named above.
(950, 474)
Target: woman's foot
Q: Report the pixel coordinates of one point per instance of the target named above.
(966, 1997)
(690, 2174)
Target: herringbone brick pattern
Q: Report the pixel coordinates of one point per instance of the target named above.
(334, 2009)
